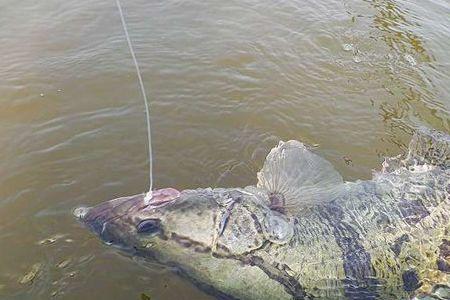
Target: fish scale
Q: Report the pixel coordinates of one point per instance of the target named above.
(301, 232)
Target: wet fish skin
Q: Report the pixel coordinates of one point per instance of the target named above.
(374, 239)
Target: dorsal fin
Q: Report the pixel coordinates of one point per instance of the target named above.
(297, 178)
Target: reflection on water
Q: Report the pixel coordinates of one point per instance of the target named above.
(226, 79)
(393, 22)
(407, 83)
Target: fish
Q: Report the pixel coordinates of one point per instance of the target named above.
(301, 232)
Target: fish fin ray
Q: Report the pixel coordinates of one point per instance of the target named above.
(302, 177)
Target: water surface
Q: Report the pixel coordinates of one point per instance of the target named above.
(226, 79)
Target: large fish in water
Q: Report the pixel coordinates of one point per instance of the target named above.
(301, 232)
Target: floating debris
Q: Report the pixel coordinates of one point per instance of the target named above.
(145, 297)
(72, 274)
(30, 276)
(357, 59)
(54, 293)
(315, 145)
(347, 47)
(68, 240)
(63, 264)
(51, 240)
(59, 90)
(348, 160)
(47, 241)
(41, 94)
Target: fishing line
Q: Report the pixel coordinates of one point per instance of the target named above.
(148, 196)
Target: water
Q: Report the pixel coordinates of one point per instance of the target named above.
(226, 80)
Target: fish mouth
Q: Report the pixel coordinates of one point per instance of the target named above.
(102, 217)
(111, 220)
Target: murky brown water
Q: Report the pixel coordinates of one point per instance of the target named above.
(226, 79)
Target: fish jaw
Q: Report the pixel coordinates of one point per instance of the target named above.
(111, 219)
(119, 221)
(180, 234)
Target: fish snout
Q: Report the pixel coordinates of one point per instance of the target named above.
(115, 219)
(103, 216)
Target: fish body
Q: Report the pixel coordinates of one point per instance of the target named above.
(301, 232)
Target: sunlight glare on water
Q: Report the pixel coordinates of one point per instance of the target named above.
(226, 81)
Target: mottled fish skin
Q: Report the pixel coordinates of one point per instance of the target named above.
(385, 238)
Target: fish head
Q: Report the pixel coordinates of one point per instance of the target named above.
(219, 221)
(133, 222)
(203, 232)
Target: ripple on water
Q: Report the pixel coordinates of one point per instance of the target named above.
(226, 80)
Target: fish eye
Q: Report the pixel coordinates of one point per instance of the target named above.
(149, 226)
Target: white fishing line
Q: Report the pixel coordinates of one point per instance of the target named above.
(148, 196)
